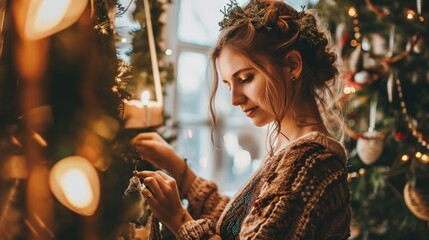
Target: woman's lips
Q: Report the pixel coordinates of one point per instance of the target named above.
(250, 112)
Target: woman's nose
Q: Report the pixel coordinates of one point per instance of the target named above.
(237, 97)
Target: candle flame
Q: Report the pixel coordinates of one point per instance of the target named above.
(145, 98)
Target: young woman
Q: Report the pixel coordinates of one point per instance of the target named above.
(278, 66)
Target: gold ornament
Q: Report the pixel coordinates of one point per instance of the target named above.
(417, 201)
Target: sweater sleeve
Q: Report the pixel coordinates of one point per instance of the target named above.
(205, 200)
(307, 189)
(206, 206)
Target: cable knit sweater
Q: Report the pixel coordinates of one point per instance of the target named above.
(299, 193)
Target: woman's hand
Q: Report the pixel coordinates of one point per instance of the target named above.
(157, 151)
(163, 199)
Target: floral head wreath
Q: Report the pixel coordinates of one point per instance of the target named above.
(235, 15)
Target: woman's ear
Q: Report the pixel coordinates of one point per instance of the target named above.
(294, 63)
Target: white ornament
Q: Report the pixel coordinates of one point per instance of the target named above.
(362, 77)
(369, 149)
(371, 146)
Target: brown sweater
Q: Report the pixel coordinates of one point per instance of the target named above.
(299, 193)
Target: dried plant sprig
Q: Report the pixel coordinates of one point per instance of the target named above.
(308, 30)
(235, 15)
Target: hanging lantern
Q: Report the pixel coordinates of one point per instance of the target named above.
(75, 183)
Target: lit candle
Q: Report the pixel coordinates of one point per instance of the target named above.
(146, 113)
(143, 113)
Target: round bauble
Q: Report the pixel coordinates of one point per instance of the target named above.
(369, 148)
(417, 201)
(362, 77)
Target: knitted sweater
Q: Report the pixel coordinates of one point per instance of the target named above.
(299, 193)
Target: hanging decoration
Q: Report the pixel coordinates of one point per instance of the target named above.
(421, 138)
(370, 149)
(417, 200)
(352, 12)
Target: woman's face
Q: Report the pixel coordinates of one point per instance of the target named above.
(247, 86)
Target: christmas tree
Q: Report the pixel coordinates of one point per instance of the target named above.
(382, 45)
(64, 161)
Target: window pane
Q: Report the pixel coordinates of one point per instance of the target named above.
(193, 143)
(243, 148)
(198, 20)
(192, 86)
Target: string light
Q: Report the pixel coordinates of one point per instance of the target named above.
(349, 90)
(352, 12)
(405, 158)
(424, 159)
(415, 132)
(410, 14)
(103, 27)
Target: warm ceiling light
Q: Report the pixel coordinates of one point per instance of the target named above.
(46, 17)
(75, 183)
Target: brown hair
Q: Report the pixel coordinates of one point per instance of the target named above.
(266, 47)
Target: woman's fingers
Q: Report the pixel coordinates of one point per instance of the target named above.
(164, 175)
(147, 194)
(154, 187)
(144, 136)
(163, 181)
